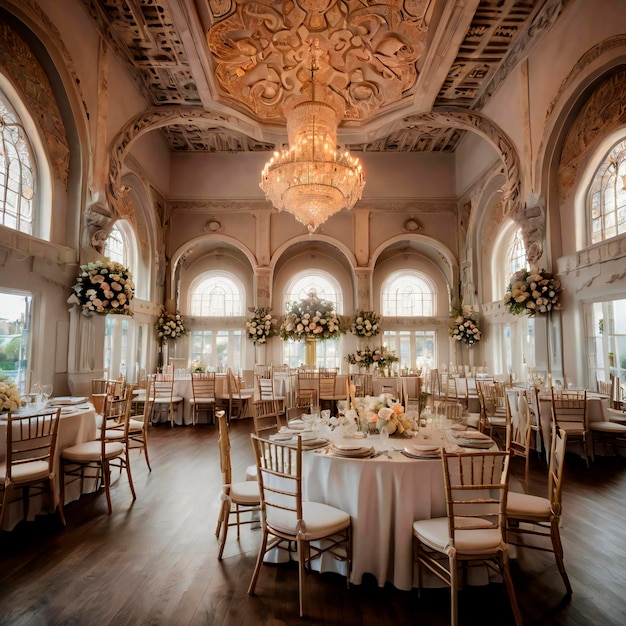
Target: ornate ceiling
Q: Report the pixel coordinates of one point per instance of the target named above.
(383, 64)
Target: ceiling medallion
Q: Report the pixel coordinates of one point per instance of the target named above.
(311, 179)
(412, 225)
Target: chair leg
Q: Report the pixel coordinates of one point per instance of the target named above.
(106, 481)
(259, 562)
(454, 600)
(128, 472)
(145, 449)
(301, 573)
(56, 504)
(508, 581)
(226, 508)
(558, 554)
(6, 498)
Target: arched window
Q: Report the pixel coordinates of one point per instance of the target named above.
(115, 248)
(328, 353)
(408, 294)
(515, 256)
(220, 343)
(17, 176)
(218, 295)
(606, 201)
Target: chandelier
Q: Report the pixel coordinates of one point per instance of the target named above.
(311, 179)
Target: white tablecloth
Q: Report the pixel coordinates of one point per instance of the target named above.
(76, 427)
(384, 497)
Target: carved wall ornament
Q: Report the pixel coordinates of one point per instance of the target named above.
(31, 81)
(604, 111)
(531, 218)
(412, 225)
(213, 226)
(98, 223)
(370, 61)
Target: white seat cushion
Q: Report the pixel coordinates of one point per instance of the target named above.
(608, 427)
(435, 534)
(524, 506)
(572, 428)
(497, 421)
(246, 492)
(615, 416)
(135, 426)
(202, 401)
(320, 520)
(112, 434)
(252, 473)
(90, 451)
(33, 470)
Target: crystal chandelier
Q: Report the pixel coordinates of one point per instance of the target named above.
(311, 179)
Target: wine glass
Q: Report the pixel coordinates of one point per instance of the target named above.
(46, 392)
(384, 437)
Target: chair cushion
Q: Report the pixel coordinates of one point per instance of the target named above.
(201, 400)
(252, 473)
(111, 434)
(497, 421)
(608, 427)
(615, 416)
(135, 426)
(435, 534)
(320, 520)
(91, 451)
(26, 472)
(524, 506)
(572, 428)
(245, 492)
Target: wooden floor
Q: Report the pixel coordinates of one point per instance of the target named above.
(154, 561)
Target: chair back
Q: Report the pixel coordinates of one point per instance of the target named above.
(224, 444)
(116, 417)
(570, 408)
(605, 388)
(362, 384)
(234, 384)
(280, 482)
(31, 439)
(308, 392)
(99, 385)
(203, 385)
(476, 487)
(411, 390)
(555, 473)
(265, 387)
(327, 379)
(116, 388)
(266, 418)
(451, 410)
(521, 424)
(161, 387)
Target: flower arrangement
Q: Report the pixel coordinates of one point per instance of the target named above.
(105, 287)
(532, 292)
(362, 358)
(261, 326)
(365, 324)
(380, 357)
(311, 317)
(197, 367)
(170, 325)
(465, 329)
(9, 395)
(376, 412)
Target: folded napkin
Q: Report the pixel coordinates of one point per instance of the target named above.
(422, 451)
(67, 400)
(481, 444)
(472, 434)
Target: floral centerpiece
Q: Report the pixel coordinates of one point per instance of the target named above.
(197, 367)
(465, 329)
(10, 399)
(105, 287)
(261, 326)
(377, 412)
(170, 326)
(533, 292)
(382, 358)
(365, 324)
(311, 317)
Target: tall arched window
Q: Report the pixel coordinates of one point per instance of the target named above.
(219, 298)
(606, 201)
(126, 342)
(408, 294)
(17, 177)
(218, 295)
(515, 255)
(328, 353)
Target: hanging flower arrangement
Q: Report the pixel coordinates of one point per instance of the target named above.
(465, 329)
(170, 326)
(105, 287)
(261, 326)
(533, 292)
(365, 324)
(311, 317)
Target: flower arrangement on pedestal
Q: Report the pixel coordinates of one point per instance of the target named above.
(465, 329)
(10, 399)
(365, 324)
(532, 292)
(362, 358)
(261, 326)
(382, 357)
(312, 318)
(170, 326)
(197, 366)
(104, 287)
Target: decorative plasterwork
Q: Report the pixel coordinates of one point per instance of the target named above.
(29, 78)
(451, 117)
(604, 111)
(196, 139)
(543, 19)
(619, 41)
(610, 250)
(370, 51)
(424, 138)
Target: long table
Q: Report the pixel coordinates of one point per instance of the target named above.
(77, 425)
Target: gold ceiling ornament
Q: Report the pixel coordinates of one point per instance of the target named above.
(311, 178)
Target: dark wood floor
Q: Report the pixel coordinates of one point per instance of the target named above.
(154, 561)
